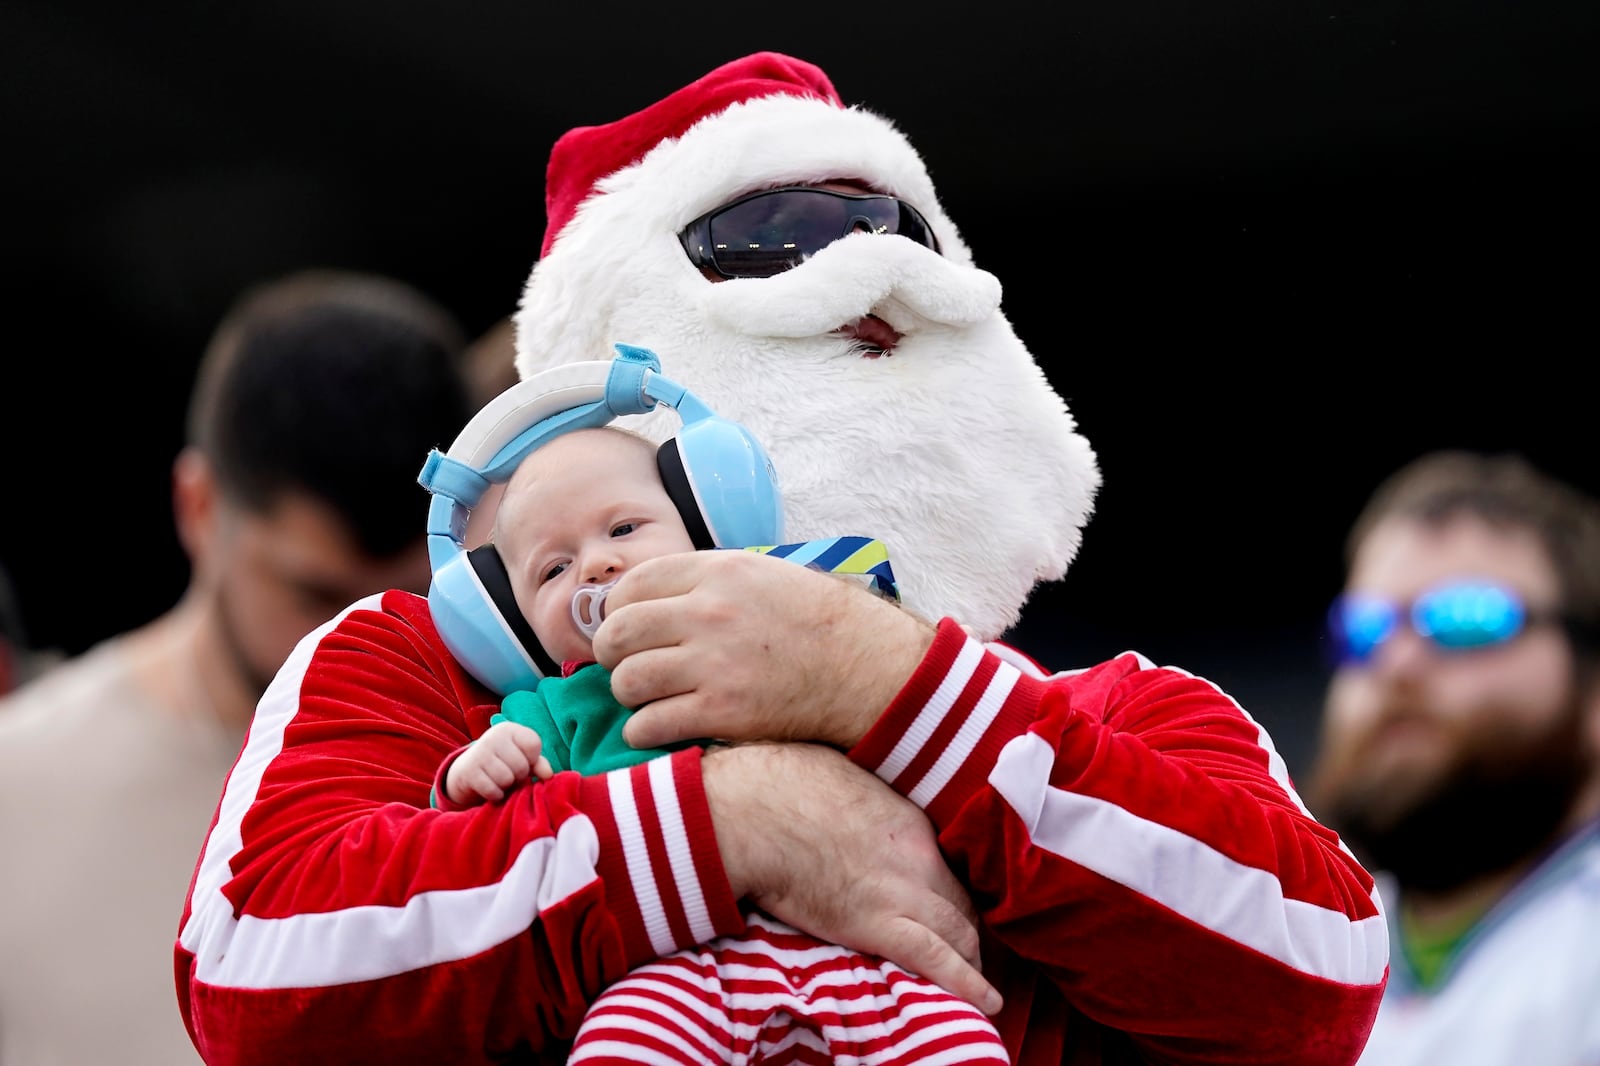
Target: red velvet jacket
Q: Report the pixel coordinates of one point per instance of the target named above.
(1151, 886)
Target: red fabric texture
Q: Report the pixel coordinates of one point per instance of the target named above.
(1142, 982)
(339, 825)
(585, 154)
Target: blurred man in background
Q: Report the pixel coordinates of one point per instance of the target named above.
(1460, 755)
(315, 404)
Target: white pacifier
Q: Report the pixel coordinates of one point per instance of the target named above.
(589, 607)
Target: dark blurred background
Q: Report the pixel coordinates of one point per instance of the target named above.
(1266, 251)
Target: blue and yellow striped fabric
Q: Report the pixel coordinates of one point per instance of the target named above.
(859, 557)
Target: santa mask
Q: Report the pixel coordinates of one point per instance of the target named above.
(890, 390)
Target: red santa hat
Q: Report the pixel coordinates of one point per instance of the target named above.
(586, 154)
(762, 120)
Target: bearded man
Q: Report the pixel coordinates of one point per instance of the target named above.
(1461, 756)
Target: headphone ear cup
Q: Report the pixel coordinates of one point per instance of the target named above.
(476, 613)
(675, 479)
(723, 483)
(496, 580)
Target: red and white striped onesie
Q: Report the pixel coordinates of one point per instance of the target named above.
(775, 995)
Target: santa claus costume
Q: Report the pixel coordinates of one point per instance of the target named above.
(1151, 887)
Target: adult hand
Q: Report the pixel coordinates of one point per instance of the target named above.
(743, 646)
(820, 843)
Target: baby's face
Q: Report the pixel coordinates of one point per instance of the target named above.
(581, 510)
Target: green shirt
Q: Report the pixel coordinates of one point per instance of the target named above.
(1429, 950)
(580, 722)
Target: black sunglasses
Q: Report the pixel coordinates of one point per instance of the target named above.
(768, 232)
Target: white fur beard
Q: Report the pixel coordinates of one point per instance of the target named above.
(954, 450)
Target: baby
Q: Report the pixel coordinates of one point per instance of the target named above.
(575, 516)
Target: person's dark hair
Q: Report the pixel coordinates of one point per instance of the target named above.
(1506, 491)
(334, 384)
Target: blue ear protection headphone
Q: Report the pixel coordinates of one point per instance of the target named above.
(716, 472)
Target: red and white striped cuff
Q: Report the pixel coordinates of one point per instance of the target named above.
(939, 737)
(659, 861)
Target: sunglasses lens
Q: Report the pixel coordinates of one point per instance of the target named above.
(769, 233)
(914, 226)
(766, 235)
(1468, 615)
(1358, 624)
(875, 216)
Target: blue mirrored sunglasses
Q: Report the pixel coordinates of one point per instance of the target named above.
(1455, 616)
(768, 232)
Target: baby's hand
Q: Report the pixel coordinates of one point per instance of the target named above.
(505, 756)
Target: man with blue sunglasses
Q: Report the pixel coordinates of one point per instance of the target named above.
(1460, 755)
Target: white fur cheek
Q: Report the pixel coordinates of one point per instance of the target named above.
(588, 294)
(954, 451)
(970, 529)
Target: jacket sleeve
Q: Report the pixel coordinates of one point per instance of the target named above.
(333, 916)
(1130, 831)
